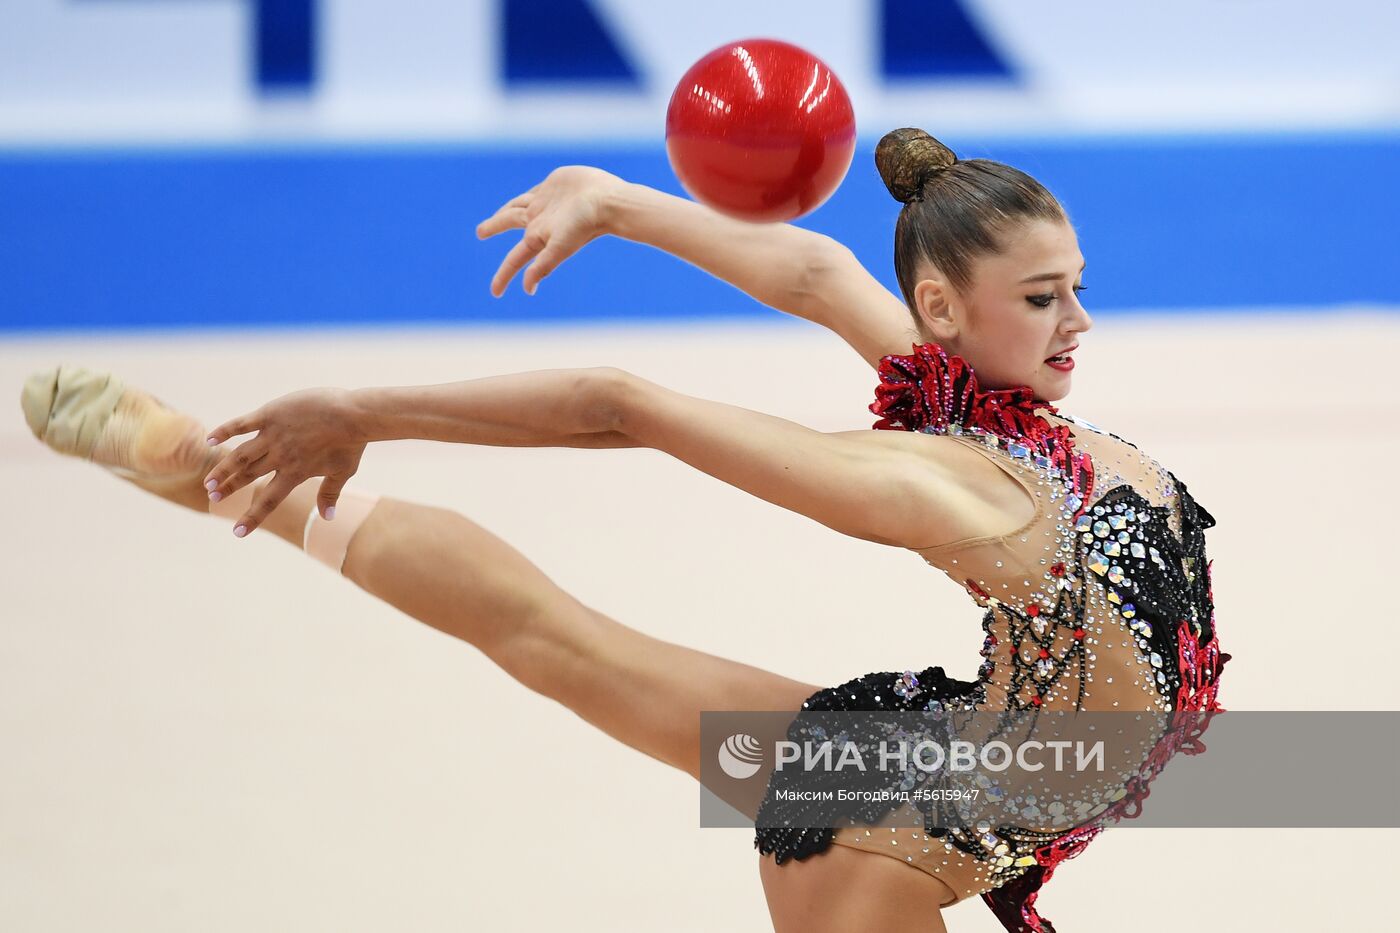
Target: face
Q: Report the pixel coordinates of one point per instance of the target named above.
(1021, 309)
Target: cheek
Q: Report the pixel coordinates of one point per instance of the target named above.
(1029, 335)
(1011, 337)
(1001, 325)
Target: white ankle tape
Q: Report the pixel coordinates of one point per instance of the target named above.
(328, 541)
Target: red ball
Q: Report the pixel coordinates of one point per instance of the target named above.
(760, 130)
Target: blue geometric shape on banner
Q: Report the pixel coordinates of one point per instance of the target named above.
(935, 39)
(284, 45)
(560, 42)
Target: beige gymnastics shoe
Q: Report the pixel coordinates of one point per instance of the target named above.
(97, 417)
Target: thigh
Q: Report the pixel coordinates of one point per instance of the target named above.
(960, 875)
(845, 889)
(645, 691)
(448, 572)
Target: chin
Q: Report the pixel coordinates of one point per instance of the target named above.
(1054, 390)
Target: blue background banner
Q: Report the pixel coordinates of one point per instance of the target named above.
(233, 237)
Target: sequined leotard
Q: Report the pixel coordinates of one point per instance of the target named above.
(1101, 602)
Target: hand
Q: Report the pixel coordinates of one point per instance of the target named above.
(560, 216)
(309, 433)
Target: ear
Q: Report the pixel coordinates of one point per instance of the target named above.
(937, 319)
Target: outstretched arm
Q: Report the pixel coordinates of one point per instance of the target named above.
(891, 487)
(797, 271)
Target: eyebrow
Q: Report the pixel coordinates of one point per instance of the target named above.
(1049, 276)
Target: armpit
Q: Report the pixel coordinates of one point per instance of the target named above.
(992, 497)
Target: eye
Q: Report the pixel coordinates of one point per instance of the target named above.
(1043, 301)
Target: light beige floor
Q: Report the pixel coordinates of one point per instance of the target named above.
(202, 733)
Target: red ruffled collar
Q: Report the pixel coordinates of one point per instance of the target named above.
(936, 392)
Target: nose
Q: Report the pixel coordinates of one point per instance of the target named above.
(1078, 320)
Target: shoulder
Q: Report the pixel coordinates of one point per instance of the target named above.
(965, 489)
(933, 399)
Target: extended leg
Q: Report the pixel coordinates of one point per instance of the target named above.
(449, 572)
(444, 570)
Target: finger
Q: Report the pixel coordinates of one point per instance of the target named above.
(519, 255)
(235, 461)
(253, 421)
(264, 502)
(554, 253)
(243, 477)
(491, 223)
(330, 494)
(507, 218)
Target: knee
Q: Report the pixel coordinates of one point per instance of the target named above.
(608, 394)
(549, 644)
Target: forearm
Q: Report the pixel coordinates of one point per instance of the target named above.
(777, 264)
(805, 274)
(547, 408)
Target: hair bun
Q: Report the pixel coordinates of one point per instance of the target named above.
(907, 158)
